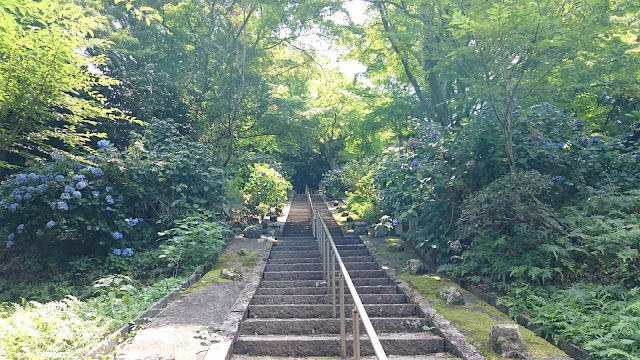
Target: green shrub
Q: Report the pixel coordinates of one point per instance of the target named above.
(265, 188)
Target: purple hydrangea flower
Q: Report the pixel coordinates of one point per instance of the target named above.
(434, 134)
(394, 222)
(579, 124)
(414, 163)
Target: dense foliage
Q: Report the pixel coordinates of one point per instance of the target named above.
(503, 135)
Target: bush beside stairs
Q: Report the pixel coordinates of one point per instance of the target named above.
(290, 314)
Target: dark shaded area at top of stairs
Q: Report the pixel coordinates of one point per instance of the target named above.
(290, 314)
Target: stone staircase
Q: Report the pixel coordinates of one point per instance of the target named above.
(291, 314)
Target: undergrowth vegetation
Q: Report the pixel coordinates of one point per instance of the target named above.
(558, 239)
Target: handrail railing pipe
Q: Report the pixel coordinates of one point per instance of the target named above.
(331, 257)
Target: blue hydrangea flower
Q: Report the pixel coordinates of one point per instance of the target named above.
(434, 134)
(108, 208)
(51, 224)
(394, 222)
(42, 188)
(78, 165)
(63, 221)
(120, 197)
(109, 199)
(13, 207)
(102, 144)
(17, 197)
(10, 244)
(65, 196)
(108, 189)
(59, 178)
(31, 189)
(544, 143)
(558, 178)
(20, 178)
(95, 193)
(414, 163)
(596, 138)
(28, 196)
(117, 252)
(578, 123)
(117, 235)
(79, 177)
(97, 171)
(11, 236)
(77, 194)
(91, 157)
(127, 252)
(3, 202)
(53, 204)
(81, 185)
(56, 156)
(69, 189)
(62, 205)
(20, 229)
(132, 222)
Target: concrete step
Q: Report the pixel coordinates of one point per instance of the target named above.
(330, 326)
(314, 311)
(301, 345)
(338, 241)
(320, 283)
(435, 356)
(326, 299)
(346, 260)
(317, 275)
(318, 266)
(323, 290)
(294, 254)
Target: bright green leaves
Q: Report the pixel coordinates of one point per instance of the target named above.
(49, 78)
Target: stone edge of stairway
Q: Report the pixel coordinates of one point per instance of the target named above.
(455, 342)
(231, 326)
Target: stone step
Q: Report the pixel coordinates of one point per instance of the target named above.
(391, 289)
(330, 326)
(317, 275)
(318, 266)
(302, 311)
(311, 247)
(435, 356)
(319, 283)
(301, 345)
(326, 299)
(338, 241)
(316, 259)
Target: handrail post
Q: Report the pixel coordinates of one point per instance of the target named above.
(356, 333)
(328, 274)
(343, 335)
(333, 284)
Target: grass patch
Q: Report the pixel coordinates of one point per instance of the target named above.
(250, 259)
(475, 318)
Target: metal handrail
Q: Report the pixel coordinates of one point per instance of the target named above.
(330, 256)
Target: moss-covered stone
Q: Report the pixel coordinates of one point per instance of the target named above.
(475, 318)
